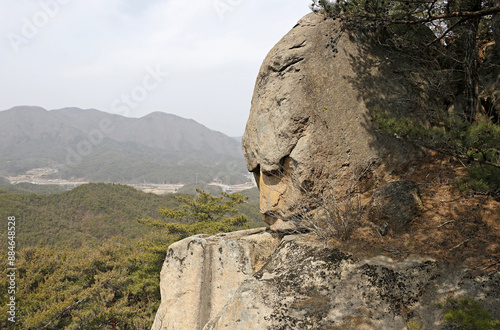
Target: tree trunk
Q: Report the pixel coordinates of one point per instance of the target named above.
(470, 63)
(495, 24)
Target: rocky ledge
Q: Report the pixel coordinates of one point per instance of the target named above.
(222, 282)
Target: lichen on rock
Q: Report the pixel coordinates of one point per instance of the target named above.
(309, 287)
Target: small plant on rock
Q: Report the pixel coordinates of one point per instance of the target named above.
(467, 313)
(333, 217)
(413, 325)
(324, 213)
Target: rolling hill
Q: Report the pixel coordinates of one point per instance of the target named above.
(96, 146)
(91, 213)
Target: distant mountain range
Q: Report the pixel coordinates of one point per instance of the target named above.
(96, 146)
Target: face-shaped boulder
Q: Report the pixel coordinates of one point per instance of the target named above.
(310, 131)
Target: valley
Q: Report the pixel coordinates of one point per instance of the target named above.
(39, 176)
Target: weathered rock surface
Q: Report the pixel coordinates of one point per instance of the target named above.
(214, 282)
(308, 287)
(395, 204)
(309, 124)
(201, 273)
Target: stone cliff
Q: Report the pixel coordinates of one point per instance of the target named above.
(309, 134)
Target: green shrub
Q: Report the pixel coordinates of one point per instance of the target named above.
(477, 144)
(413, 325)
(203, 214)
(467, 313)
(480, 179)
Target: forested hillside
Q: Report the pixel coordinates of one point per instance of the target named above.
(88, 213)
(83, 258)
(28, 188)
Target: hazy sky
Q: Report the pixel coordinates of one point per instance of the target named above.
(197, 59)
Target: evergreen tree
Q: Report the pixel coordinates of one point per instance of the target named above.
(447, 36)
(204, 214)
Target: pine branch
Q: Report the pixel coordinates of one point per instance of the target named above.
(430, 18)
(64, 311)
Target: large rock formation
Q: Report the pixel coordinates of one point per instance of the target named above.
(310, 129)
(201, 274)
(309, 124)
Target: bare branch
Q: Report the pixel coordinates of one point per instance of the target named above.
(448, 30)
(459, 245)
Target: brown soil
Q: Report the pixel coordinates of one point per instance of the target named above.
(454, 227)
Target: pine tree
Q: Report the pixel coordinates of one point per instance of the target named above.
(447, 38)
(204, 214)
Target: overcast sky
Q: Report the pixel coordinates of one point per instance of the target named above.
(197, 58)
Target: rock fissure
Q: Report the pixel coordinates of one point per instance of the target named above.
(206, 286)
(302, 44)
(289, 62)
